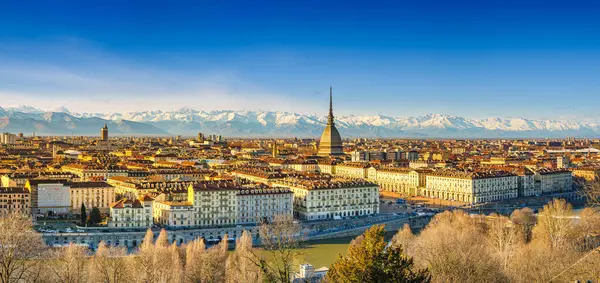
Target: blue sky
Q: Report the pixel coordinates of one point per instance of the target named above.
(401, 58)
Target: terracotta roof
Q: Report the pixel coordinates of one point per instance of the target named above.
(89, 185)
(13, 190)
(122, 203)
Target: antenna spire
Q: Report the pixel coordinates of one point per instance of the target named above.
(330, 118)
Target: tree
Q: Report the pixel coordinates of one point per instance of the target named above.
(68, 264)
(524, 220)
(281, 239)
(555, 226)
(404, 238)
(83, 214)
(591, 192)
(144, 265)
(503, 240)
(588, 227)
(20, 248)
(109, 265)
(369, 259)
(163, 259)
(242, 265)
(95, 217)
(214, 262)
(194, 253)
(454, 249)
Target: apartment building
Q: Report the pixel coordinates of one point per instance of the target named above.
(472, 187)
(214, 203)
(352, 170)
(126, 213)
(173, 214)
(549, 180)
(331, 199)
(262, 204)
(88, 172)
(15, 199)
(92, 194)
(49, 196)
(18, 179)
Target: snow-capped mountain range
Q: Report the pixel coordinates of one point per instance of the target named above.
(188, 121)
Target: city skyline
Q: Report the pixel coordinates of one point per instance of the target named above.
(469, 59)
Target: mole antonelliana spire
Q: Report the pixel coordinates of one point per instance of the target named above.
(331, 141)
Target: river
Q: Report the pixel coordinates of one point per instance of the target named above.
(322, 253)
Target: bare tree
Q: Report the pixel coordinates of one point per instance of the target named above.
(591, 192)
(503, 239)
(588, 228)
(242, 265)
(524, 220)
(281, 239)
(68, 264)
(404, 238)
(144, 263)
(176, 274)
(555, 225)
(194, 253)
(20, 248)
(109, 265)
(214, 262)
(536, 262)
(454, 249)
(162, 258)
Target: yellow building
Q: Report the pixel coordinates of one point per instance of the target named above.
(590, 174)
(15, 199)
(92, 194)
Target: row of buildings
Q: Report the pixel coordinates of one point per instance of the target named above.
(239, 200)
(469, 186)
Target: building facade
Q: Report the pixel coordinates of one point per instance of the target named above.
(472, 187)
(331, 199)
(263, 204)
(126, 213)
(92, 194)
(553, 180)
(214, 203)
(15, 199)
(49, 196)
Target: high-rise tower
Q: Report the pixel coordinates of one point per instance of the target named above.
(331, 142)
(104, 133)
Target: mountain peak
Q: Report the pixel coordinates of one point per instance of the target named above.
(278, 124)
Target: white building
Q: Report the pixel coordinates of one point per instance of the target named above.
(472, 187)
(214, 203)
(49, 196)
(331, 199)
(526, 183)
(549, 180)
(263, 204)
(131, 213)
(308, 274)
(173, 214)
